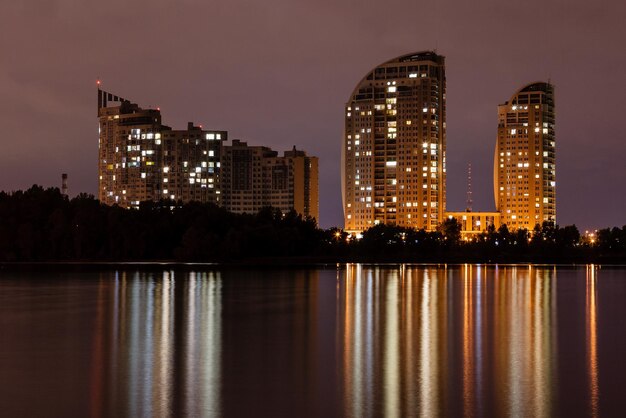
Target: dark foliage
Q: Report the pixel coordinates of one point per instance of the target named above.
(42, 225)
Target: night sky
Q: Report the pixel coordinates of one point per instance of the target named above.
(278, 73)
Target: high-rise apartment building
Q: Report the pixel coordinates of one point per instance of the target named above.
(394, 145)
(141, 159)
(524, 161)
(254, 177)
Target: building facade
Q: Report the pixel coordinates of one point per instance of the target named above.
(524, 161)
(140, 159)
(474, 223)
(254, 177)
(394, 145)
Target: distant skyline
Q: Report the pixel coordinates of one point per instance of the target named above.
(278, 73)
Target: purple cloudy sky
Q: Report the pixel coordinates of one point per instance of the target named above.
(278, 72)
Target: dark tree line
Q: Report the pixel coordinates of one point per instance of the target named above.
(43, 225)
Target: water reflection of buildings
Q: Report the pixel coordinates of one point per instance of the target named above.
(404, 371)
(162, 345)
(525, 341)
(422, 341)
(400, 341)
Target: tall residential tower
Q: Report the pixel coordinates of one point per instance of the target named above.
(141, 159)
(394, 145)
(524, 167)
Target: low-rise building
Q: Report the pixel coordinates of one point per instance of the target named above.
(474, 223)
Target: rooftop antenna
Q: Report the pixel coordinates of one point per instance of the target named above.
(469, 188)
(64, 184)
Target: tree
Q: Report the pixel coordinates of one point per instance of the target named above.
(451, 231)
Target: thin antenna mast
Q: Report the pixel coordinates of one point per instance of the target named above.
(469, 188)
(64, 184)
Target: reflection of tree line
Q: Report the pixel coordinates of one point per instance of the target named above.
(40, 224)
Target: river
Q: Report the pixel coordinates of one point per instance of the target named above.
(336, 341)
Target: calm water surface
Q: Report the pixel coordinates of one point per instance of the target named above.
(354, 341)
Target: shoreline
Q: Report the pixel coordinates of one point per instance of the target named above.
(268, 264)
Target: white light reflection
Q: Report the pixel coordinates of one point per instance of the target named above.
(191, 368)
(212, 331)
(147, 344)
(165, 317)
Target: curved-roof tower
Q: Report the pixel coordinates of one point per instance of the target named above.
(524, 167)
(393, 163)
